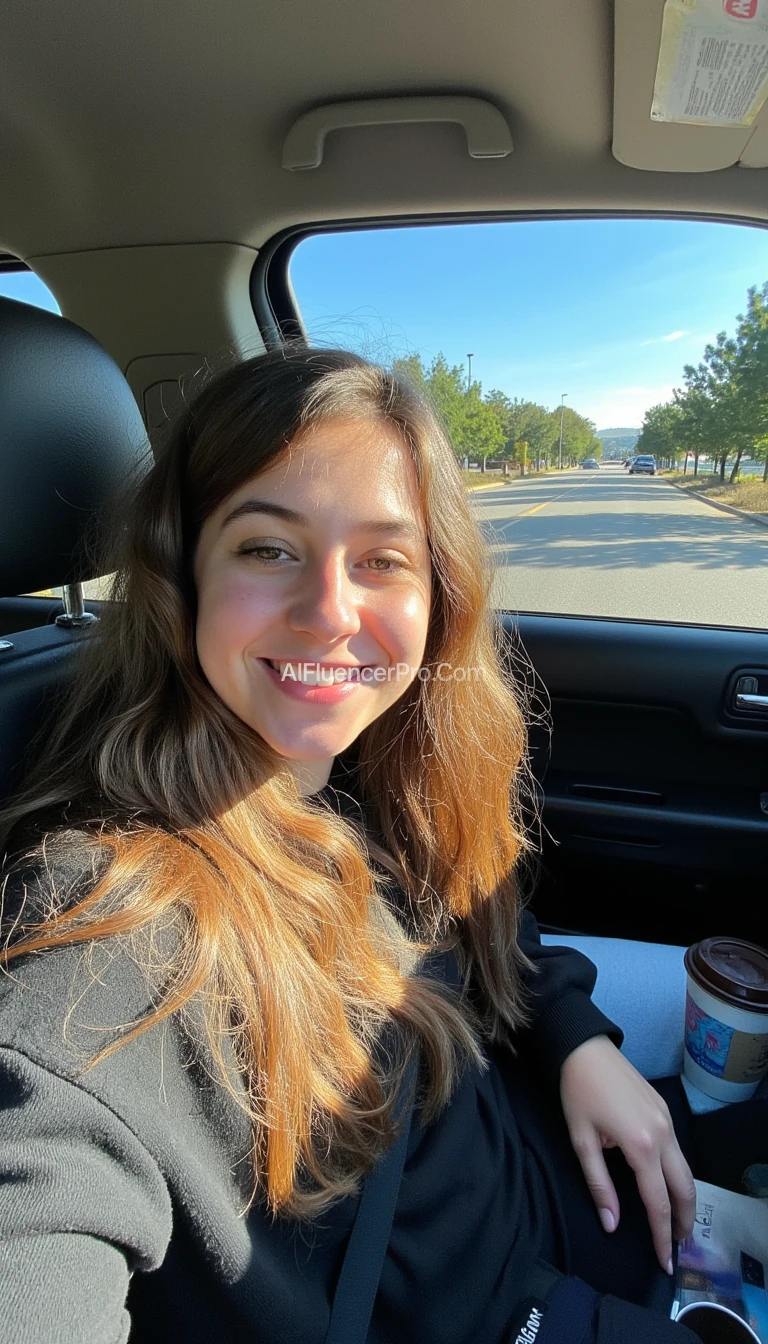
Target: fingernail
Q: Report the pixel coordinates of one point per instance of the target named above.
(608, 1220)
(670, 1266)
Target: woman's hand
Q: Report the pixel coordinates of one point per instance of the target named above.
(608, 1104)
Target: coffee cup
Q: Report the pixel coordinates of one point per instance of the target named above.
(726, 1017)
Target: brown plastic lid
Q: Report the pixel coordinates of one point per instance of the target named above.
(732, 970)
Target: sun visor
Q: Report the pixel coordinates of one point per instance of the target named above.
(690, 84)
(756, 153)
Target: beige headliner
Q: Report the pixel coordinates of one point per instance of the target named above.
(140, 143)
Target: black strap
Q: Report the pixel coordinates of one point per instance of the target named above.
(361, 1270)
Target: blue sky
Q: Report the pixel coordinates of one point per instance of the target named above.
(608, 311)
(26, 286)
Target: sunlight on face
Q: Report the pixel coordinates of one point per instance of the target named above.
(313, 584)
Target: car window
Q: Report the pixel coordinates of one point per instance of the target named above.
(94, 590)
(24, 285)
(547, 343)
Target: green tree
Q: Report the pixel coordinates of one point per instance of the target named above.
(484, 430)
(523, 422)
(501, 405)
(713, 407)
(445, 386)
(531, 424)
(698, 426)
(660, 434)
(412, 371)
(476, 426)
(579, 439)
(727, 405)
(750, 375)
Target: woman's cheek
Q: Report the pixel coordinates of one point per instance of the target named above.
(232, 617)
(411, 623)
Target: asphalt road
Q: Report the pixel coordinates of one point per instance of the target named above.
(608, 544)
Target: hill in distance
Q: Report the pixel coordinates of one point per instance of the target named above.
(617, 442)
(618, 434)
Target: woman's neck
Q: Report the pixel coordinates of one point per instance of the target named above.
(312, 776)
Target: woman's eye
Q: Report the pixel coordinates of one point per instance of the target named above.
(267, 551)
(383, 564)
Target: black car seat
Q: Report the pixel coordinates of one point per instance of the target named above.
(70, 432)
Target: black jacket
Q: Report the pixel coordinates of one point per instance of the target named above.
(122, 1188)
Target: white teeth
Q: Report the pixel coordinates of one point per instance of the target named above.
(313, 676)
(309, 674)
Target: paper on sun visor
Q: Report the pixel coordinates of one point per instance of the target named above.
(713, 62)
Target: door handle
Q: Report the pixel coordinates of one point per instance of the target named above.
(747, 697)
(759, 702)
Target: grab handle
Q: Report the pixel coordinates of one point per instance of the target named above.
(487, 132)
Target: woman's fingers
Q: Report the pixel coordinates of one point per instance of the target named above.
(682, 1191)
(665, 1183)
(655, 1196)
(589, 1151)
(608, 1104)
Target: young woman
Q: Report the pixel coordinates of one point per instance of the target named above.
(267, 859)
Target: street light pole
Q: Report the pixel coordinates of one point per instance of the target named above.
(562, 412)
(469, 373)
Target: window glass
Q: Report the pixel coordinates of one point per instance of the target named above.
(558, 352)
(94, 590)
(27, 288)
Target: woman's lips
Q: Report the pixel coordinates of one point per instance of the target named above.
(316, 673)
(323, 693)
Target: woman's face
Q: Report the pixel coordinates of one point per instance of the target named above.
(313, 585)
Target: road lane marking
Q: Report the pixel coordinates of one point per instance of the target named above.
(527, 512)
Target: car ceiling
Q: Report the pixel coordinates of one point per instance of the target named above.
(160, 127)
(134, 123)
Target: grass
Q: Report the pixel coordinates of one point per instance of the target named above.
(473, 479)
(750, 494)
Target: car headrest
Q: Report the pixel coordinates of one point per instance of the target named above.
(70, 434)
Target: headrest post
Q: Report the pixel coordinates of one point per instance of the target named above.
(74, 615)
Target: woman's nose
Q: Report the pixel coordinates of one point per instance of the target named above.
(326, 605)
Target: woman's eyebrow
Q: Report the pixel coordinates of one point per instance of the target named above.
(397, 523)
(263, 506)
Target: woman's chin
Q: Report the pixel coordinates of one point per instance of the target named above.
(314, 750)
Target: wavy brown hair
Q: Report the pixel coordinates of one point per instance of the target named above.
(284, 928)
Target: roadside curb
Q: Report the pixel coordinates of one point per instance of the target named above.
(515, 480)
(759, 519)
(484, 485)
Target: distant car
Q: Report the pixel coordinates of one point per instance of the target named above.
(590, 463)
(644, 465)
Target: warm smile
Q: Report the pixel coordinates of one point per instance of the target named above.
(316, 683)
(320, 673)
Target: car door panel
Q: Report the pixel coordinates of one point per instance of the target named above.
(653, 790)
